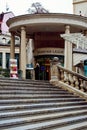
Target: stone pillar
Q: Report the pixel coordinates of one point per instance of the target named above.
(12, 46)
(29, 51)
(54, 71)
(86, 37)
(68, 51)
(20, 54)
(23, 52)
(33, 60)
(4, 60)
(31, 56)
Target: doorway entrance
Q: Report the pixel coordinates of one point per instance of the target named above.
(44, 66)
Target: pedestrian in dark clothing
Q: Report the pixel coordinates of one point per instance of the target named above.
(37, 71)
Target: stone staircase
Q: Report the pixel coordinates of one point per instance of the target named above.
(37, 105)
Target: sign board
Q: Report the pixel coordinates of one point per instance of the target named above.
(49, 51)
(13, 69)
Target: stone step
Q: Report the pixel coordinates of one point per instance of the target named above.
(39, 111)
(31, 89)
(42, 116)
(45, 93)
(35, 96)
(39, 100)
(81, 126)
(11, 81)
(76, 126)
(39, 106)
(27, 85)
(15, 103)
(24, 84)
(27, 123)
(33, 92)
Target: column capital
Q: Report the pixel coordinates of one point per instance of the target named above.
(67, 29)
(23, 28)
(67, 26)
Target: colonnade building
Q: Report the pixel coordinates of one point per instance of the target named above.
(44, 31)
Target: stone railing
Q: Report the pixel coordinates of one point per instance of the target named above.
(73, 79)
(68, 80)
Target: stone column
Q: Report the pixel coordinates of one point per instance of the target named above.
(29, 51)
(30, 55)
(12, 46)
(86, 37)
(23, 52)
(68, 51)
(33, 60)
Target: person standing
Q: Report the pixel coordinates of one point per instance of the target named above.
(37, 71)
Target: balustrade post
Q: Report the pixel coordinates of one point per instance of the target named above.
(54, 71)
(81, 85)
(66, 77)
(62, 75)
(71, 80)
(76, 82)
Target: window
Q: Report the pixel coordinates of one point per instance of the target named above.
(0, 59)
(17, 57)
(7, 60)
(4, 40)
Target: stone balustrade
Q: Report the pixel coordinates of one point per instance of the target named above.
(72, 78)
(68, 80)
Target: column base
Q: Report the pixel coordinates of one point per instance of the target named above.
(54, 80)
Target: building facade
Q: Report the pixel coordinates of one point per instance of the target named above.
(35, 39)
(80, 54)
(45, 31)
(5, 40)
(80, 7)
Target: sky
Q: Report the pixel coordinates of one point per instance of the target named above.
(19, 7)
